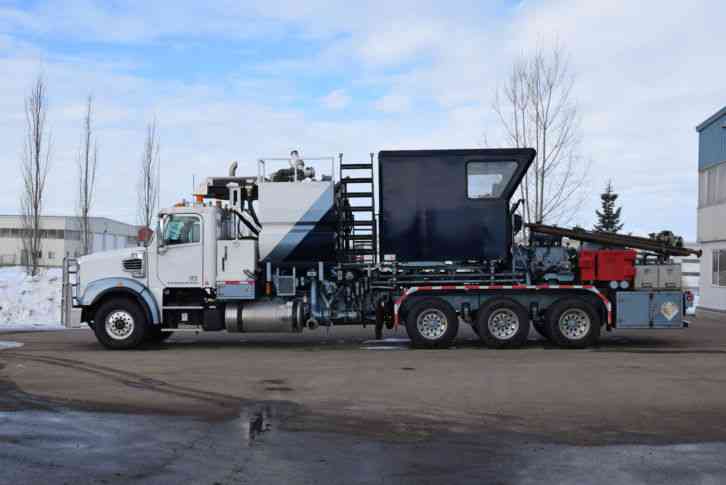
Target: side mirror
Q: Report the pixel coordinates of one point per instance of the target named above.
(160, 248)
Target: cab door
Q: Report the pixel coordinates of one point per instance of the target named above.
(181, 251)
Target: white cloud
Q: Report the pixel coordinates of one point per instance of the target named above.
(394, 103)
(399, 40)
(336, 100)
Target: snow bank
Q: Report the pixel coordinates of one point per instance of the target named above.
(30, 302)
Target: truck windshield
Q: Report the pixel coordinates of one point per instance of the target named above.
(182, 229)
(487, 180)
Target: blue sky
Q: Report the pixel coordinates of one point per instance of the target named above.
(240, 80)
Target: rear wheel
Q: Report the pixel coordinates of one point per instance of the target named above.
(503, 323)
(573, 324)
(432, 323)
(120, 323)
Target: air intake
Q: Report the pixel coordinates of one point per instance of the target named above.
(134, 266)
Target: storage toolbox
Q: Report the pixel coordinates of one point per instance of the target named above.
(649, 309)
(607, 265)
(658, 276)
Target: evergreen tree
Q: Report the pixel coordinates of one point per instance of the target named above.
(609, 217)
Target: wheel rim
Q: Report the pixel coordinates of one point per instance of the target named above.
(575, 324)
(432, 324)
(119, 324)
(503, 324)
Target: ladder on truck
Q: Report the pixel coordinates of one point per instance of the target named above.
(357, 230)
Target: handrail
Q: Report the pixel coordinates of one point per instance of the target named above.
(262, 165)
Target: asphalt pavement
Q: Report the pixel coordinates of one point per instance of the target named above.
(333, 407)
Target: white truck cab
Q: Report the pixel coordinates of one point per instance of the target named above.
(201, 269)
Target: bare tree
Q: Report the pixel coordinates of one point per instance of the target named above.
(34, 166)
(148, 185)
(536, 109)
(87, 163)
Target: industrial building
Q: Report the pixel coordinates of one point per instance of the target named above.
(712, 212)
(61, 237)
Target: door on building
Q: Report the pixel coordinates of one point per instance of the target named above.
(97, 244)
(181, 256)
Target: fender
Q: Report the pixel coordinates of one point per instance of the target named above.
(97, 289)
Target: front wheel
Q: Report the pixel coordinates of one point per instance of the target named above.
(432, 323)
(573, 324)
(120, 323)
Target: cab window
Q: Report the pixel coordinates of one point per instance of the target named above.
(487, 180)
(182, 229)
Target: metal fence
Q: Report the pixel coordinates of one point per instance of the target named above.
(8, 260)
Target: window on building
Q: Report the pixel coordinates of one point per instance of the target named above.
(718, 267)
(712, 186)
(486, 180)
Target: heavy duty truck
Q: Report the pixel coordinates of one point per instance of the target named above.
(292, 250)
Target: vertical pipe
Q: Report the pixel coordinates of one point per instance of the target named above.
(340, 170)
(321, 270)
(314, 298)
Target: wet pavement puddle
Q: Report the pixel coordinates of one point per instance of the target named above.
(5, 345)
(392, 343)
(256, 447)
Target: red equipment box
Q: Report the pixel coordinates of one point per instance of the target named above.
(607, 265)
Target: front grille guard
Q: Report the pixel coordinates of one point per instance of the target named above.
(70, 316)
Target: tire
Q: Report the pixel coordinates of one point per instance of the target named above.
(573, 324)
(432, 323)
(503, 323)
(120, 324)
